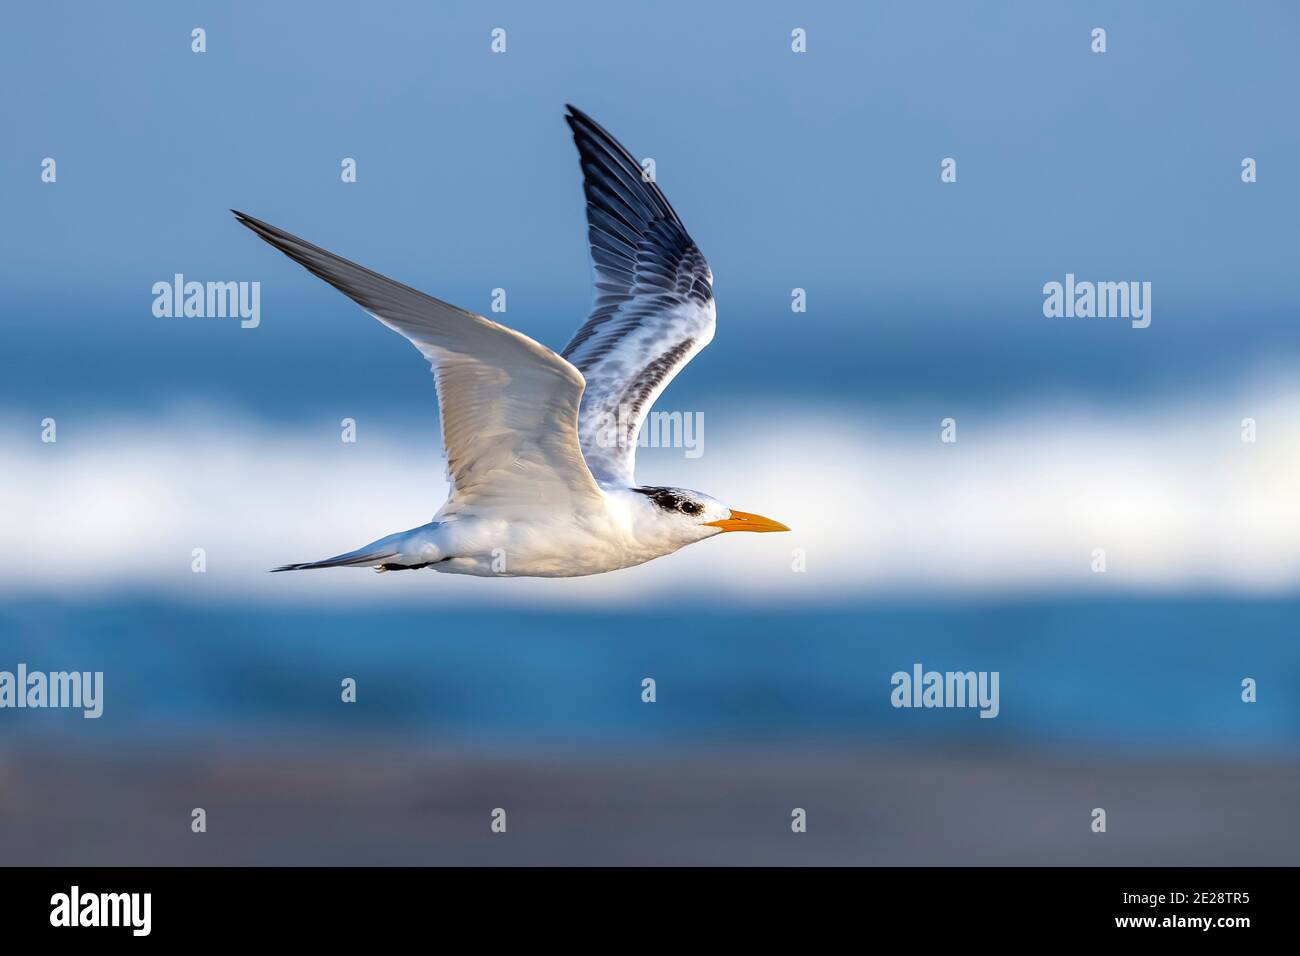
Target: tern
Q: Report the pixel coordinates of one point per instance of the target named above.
(541, 448)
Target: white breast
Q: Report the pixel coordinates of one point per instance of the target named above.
(555, 543)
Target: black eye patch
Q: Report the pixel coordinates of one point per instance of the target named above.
(669, 500)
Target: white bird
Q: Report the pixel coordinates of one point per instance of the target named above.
(541, 448)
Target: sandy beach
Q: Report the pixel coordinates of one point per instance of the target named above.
(370, 806)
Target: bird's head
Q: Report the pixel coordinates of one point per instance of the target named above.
(687, 516)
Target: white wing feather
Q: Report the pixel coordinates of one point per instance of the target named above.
(509, 405)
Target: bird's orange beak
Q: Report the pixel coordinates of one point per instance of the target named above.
(744, 521)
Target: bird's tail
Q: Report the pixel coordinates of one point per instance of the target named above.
(353, 559)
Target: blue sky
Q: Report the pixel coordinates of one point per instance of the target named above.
(817, 170)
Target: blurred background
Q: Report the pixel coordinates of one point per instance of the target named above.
(772, 655)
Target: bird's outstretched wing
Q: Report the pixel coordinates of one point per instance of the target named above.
(509, 405)
(654, 301)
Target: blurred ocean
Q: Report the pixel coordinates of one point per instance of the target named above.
(1111, 676)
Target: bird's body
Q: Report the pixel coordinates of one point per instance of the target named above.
(620, 531)
(541, 448)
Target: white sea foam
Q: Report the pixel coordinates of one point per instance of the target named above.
(1017, 505)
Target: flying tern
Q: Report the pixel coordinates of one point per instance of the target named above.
(541, 448)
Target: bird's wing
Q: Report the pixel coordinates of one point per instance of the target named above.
(509, 405)
(654, 301)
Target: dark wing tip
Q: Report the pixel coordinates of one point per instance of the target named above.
(580, 122)
(308, 254)
(596, 145)
(282, 240)
(577, 114)
(584, 126)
